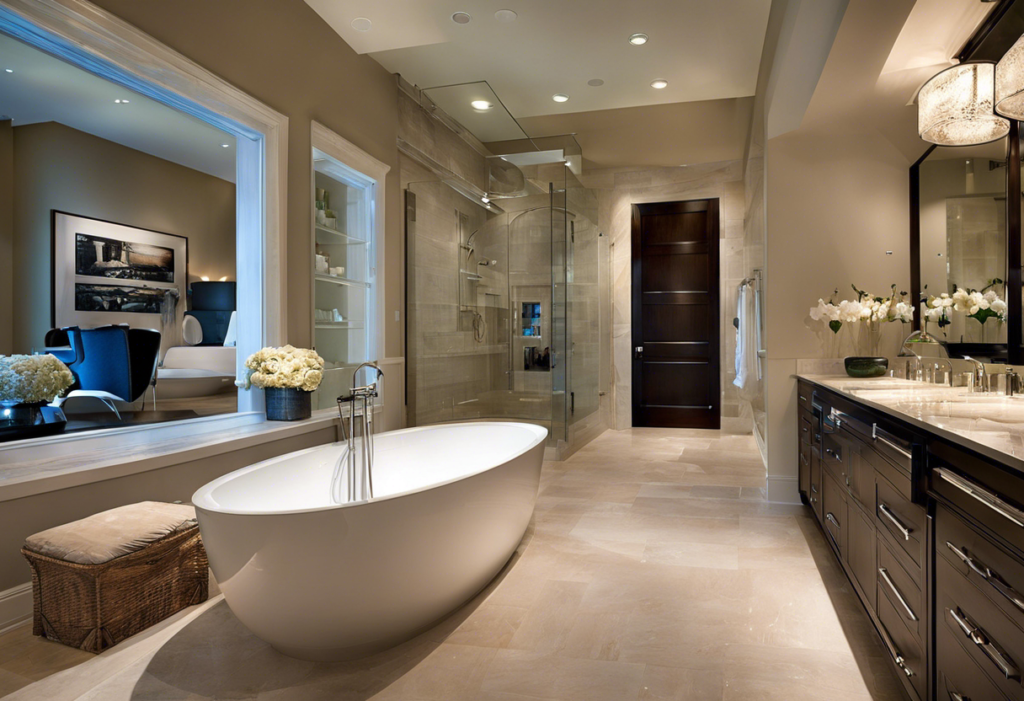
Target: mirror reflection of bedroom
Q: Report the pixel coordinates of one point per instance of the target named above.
(120, 261)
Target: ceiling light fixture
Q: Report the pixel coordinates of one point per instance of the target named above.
(8, 70)
(1009, 97)
(560, 97)
(361, 24)
(461, 18)
(485, 200)
(225, 145)
(595, 82)
(659, 84)
(481, 105)
(955, 107)
(638, 39)
(505, 16)
(121, 102)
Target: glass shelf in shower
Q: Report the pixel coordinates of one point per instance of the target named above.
(339, 325)
(326, 236)
(340, 280)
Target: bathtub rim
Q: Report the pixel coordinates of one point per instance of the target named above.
(202, 499)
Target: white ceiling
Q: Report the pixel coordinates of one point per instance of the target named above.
(705, 50)
(42, 88)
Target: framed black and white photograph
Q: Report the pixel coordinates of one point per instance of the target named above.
(110, 273)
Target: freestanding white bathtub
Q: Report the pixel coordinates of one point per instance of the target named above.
(323, 581)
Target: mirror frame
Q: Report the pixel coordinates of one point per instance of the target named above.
(993, 38)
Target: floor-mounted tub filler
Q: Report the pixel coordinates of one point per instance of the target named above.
(322, 580)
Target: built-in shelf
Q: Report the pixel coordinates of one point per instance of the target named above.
(320, 277)
(326, 236)
(344, 325)
(471, 276)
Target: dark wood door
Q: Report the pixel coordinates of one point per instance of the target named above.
(676, 366)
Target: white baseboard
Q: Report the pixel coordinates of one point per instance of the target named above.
(15, 606)
(783, 489)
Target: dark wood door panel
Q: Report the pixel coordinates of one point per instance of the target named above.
(676, 273)
(676, 345)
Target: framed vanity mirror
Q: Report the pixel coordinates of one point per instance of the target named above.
(965, 221)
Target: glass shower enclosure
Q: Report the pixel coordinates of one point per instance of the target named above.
(502, 303)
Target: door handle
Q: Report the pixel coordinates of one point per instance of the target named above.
(638, 352)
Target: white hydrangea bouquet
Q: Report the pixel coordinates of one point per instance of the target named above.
(287, 367)
(33, 379)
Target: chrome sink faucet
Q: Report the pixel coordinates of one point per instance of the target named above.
(360, 483)
(979, 374)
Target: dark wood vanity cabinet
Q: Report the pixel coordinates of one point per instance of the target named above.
(931, 536)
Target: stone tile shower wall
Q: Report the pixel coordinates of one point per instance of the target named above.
(617, 190)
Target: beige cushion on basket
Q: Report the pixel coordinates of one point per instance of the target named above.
(111, 534)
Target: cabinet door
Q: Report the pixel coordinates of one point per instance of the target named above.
(861, 543)
(833, 506)
(814, 496)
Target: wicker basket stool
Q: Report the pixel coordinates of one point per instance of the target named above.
(104, 578)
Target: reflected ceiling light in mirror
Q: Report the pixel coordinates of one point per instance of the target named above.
(955, 107)
(659, 84)
(361, 24)
(560, 97)
(1010, 82)
(481, 105)
(638, 39)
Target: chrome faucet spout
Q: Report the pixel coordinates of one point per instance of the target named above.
(979, 373)
(360, 485)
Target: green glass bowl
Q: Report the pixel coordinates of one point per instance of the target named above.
(866, 367)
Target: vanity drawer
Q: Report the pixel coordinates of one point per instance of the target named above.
(958, 677)
(837, 452)
(902, 590)
(807, 428)
(804, 392)
(904, 648)
(833, 508)
(994, 642)
(988, 495)
(903, 521)
(999, 576)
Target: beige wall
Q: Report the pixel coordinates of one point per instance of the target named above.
(617, 190)
(836, 203)
(57, 167)
(282, 53)
(6, 237)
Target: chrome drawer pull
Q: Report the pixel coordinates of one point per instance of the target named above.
(993, 578)
(903, 602)
(896, 656)
(887, 512)
(832, 519)
(978, 637)
(814, 488)
(802, 398)
(953, 696)
(983, 495)
(899, 449)
(834, 453)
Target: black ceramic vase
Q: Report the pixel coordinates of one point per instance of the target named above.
(21, 421)
(288, 404)
(866, 367)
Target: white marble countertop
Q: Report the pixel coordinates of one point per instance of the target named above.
(986, 422)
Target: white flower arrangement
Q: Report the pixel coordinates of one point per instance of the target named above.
(980, 305)
(865, 308)
(287, 367)
(30, 379)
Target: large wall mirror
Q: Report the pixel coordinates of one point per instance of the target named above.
(965, 221)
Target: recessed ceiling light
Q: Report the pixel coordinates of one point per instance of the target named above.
(481, 105)
(225, 145)
(361, 24)
(638, 39)
(121, 102)
(595, 82)
(505, 16)
(560, 97)
(659, 84)
(8, 70)
(461, 18)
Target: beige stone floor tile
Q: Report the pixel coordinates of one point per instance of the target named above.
(32, 657)
(449, 673)
(11, 682)
(550, 676)
(546, 626)
(707, 492)
(491, 625)
(682, 554)
(664, 490)
(680, 684)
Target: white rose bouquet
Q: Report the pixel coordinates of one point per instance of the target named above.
(980, 304)
(284, 368)
(30, 379)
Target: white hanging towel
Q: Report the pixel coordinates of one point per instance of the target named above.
(746, 338)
